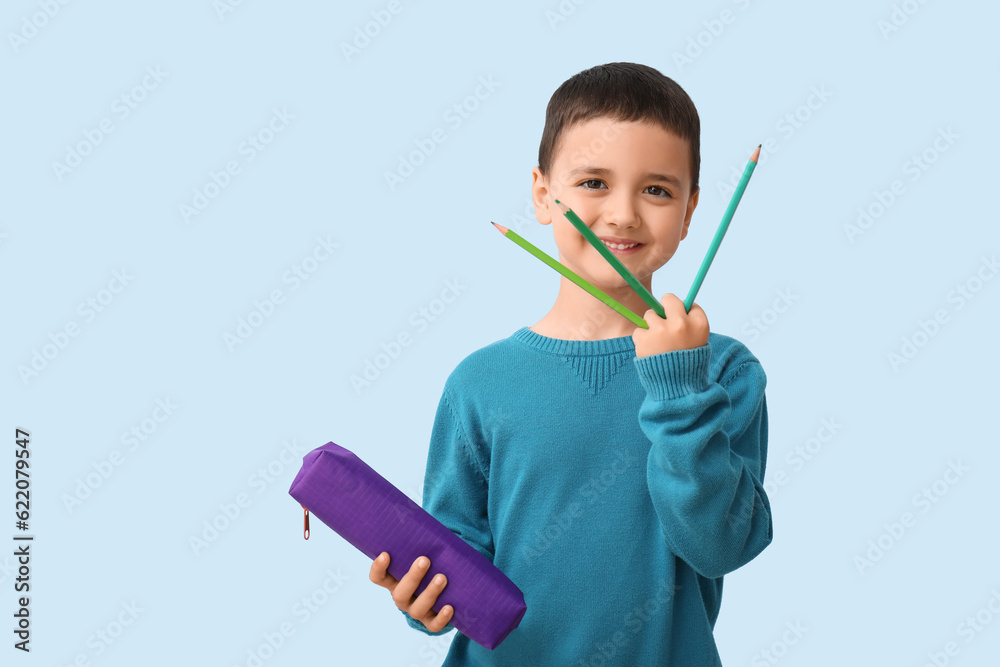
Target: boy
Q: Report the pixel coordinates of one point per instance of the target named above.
(613, 473)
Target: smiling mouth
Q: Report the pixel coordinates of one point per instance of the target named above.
(621, 246)
(623, 249)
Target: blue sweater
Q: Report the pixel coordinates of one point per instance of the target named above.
(614, 491)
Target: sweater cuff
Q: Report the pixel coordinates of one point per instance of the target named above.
(417, 625)
(676, 373)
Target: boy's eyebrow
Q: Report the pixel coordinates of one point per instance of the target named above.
(602, 171)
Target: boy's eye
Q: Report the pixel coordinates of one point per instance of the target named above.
(597, 184)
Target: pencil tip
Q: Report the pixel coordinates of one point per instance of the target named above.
(562, 206)
(756, 154)
(500, 228)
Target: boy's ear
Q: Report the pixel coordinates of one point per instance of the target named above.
(692, 204)
(540, 196)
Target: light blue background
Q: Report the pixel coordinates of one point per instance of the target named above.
(288, 386)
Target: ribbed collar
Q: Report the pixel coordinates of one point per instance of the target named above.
(575, 348)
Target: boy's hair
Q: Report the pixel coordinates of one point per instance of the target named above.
(624, 92)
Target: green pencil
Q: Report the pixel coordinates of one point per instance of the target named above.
(612, 260)
(721, 231)
(516, 238)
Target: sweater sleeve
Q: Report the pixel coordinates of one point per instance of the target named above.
(706, 465)
(455, 488)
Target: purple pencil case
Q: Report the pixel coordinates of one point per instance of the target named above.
(365, 509)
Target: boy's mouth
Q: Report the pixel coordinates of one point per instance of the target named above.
(622, 246)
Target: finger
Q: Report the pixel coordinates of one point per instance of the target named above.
(697, 311)
(423, 605)
(441, 619)
(407, 586)
(672, 305)
(379, 574)
(697, 314)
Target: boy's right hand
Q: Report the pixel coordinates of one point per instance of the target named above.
(402, 591)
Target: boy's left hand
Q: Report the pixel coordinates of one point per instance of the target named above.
(679, 331)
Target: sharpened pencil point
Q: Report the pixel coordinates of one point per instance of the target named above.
(756, 154)
(501, 228)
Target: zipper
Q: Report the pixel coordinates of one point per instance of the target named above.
(305, 522)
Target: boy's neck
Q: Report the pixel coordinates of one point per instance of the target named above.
(577, 315)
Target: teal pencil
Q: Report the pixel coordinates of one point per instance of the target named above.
(721, 231)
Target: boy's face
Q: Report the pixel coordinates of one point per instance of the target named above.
(626, 180)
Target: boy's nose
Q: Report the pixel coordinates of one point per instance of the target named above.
(620, 212)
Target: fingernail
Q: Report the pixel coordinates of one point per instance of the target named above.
(439, 579)
(422, 562)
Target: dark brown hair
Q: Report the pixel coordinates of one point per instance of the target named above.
(624, 92)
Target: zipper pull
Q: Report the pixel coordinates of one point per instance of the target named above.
(305, 522)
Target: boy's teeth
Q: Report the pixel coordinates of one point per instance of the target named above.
(620, 246)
